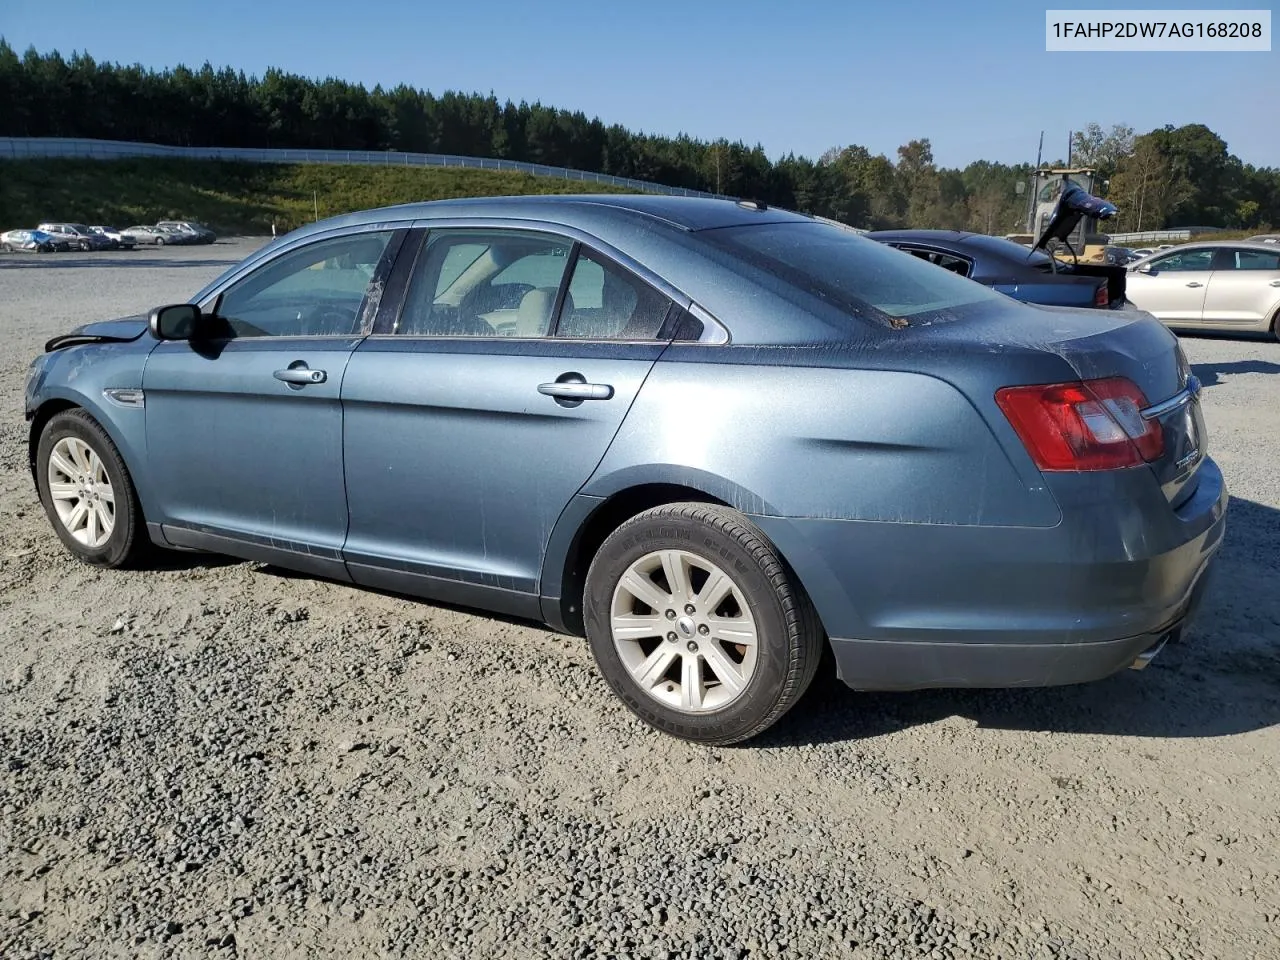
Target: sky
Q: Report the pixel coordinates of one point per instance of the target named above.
(799, 78)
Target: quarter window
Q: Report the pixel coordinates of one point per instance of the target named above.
(485, 284)
(605, 302)
(314, 291)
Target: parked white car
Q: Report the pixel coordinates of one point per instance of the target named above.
(1231, 285)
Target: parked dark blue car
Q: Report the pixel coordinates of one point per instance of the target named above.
(713, 437)
(1024, 274)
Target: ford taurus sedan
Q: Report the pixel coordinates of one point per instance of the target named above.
(712, 437)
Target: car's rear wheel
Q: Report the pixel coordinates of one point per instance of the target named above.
(6, 248)
(697, 625)
(87, 492)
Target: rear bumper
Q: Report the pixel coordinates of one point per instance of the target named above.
(912, 605)
(904, 665)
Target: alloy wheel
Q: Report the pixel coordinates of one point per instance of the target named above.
(81, 491)
(684, 632)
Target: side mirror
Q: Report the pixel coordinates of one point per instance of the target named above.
(1143, 268)
(178, 321)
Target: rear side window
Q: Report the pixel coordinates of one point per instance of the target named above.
(1254, 260)
(856, 275)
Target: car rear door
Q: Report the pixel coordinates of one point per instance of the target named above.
(483, 402)
(1173, 286)
(244, 424)
(1244, 290)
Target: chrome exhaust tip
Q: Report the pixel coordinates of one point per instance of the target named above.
(1141, 661)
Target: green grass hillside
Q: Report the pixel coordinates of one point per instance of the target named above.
(236, 197)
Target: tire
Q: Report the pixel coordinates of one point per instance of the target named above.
(739, 689)
(1275, 325)
(85, 246)
(6, 248)
(76, 431)
(159, 241)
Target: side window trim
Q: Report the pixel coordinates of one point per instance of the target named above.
(393, 296)
(715, 333)
(566, 278)
(1224, 258)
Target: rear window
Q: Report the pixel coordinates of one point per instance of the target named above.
(859, 276)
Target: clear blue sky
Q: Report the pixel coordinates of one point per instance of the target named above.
(972, 77)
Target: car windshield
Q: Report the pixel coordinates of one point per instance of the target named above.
(852, 273)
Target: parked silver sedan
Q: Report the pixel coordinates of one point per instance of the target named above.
(144, 234)
(1211, 286)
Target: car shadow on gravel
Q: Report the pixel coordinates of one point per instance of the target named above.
(1211, 374)
(1222, 679)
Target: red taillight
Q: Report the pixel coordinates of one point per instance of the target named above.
(1087, 425)
(1102, 296)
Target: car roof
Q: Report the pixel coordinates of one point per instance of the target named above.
(1234, 244)
(582, 210)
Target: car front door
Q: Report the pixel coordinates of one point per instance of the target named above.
(482, 405)
(1245, 288)
(1172, 287)
(244, 423)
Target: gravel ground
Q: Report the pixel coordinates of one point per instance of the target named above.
(218, 758)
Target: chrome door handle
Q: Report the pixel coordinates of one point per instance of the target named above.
(1275, 283)
(576, 391)
(300, 375)
(1195, 283)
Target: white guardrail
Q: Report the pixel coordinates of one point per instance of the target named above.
(21, 148)
(1152, 236)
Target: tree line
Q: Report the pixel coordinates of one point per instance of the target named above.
(1166, 177)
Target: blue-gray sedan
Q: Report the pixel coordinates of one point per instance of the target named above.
(712, 437)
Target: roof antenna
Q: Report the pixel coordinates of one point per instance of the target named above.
(753, 204)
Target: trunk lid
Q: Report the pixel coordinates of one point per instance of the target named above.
(1138, 347)
(1093, 344)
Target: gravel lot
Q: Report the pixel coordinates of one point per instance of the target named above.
(221, 759)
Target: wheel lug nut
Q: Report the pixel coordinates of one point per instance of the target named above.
(672, 637)
(690, 608)
(703, 629)
(693, 646)
(671, 614)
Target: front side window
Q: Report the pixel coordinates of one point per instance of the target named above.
(1254, 260)
(484, 284)
(314, 291)
(1184, 261)
(856, 275)
(606, 302)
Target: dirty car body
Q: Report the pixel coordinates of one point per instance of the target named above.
(966, 490)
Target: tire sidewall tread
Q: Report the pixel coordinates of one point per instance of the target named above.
(124, 543)
(787, 627)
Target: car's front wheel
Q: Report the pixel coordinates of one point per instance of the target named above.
(697, 625)
(87, 492)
